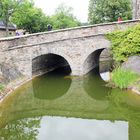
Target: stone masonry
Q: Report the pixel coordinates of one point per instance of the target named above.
(136, 9)
(80, 47)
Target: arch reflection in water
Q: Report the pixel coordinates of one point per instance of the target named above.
(52, 85)
(94, 85)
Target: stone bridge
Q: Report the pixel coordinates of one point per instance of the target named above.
(25, 56)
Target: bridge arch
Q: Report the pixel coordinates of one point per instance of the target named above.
(92, 60)
(49, 62)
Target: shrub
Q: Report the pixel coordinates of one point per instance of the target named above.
(123, 78)
(125, 43)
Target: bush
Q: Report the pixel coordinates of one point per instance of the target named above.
(123, 78)
(125, 43)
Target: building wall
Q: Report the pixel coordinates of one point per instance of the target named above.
(3, 33)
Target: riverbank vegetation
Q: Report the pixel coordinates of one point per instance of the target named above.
(123, 78)
(123, 45)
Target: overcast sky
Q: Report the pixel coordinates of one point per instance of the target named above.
(80, 7)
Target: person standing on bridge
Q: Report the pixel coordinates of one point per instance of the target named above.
(120, 19)
(17, 33)
(49, 27)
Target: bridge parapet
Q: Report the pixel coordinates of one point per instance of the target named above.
(64, 34)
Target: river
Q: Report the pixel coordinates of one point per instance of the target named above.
(63, 107)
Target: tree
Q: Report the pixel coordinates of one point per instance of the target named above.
(101, 11)
(63, 18)
(30, 18)
(25, 15)
(7, 8)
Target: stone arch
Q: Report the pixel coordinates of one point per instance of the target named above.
(92, 60)
(48, 62)
(42, 50)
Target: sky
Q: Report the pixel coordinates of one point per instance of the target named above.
(80, 7)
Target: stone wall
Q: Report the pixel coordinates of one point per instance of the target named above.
(74, 45)
(136, 9)
(132, 64)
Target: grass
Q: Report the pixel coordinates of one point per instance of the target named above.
(123, 78)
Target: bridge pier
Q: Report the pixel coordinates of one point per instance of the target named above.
(76, 72)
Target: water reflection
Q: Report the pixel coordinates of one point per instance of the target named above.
(59, 128)
(52, 85)
(95, 86)
(24, 129)
(106, 112)
(105, 76)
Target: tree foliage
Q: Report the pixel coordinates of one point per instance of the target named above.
(26, 16)
(30, 18)
(125, 43)
(63, 18)
(7, 8)
(101, 11)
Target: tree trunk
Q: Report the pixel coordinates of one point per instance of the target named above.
(6, 24)
(7, 30)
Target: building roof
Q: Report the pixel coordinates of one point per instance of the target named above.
(10, 26)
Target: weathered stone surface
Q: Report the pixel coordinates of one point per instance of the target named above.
(106, 60)
(136, 9)
(80, 47)
(133, 63)
(106, 54)
(1, 79)
(9, 73)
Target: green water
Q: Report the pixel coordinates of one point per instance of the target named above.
(61, 107)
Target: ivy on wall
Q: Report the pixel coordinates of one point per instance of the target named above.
(125, 43)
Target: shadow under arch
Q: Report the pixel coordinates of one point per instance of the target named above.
(100, 59)
(92, 61)
(49, 62)
(51, 84)
(94, 85)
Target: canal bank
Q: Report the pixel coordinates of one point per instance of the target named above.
(127, 75)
